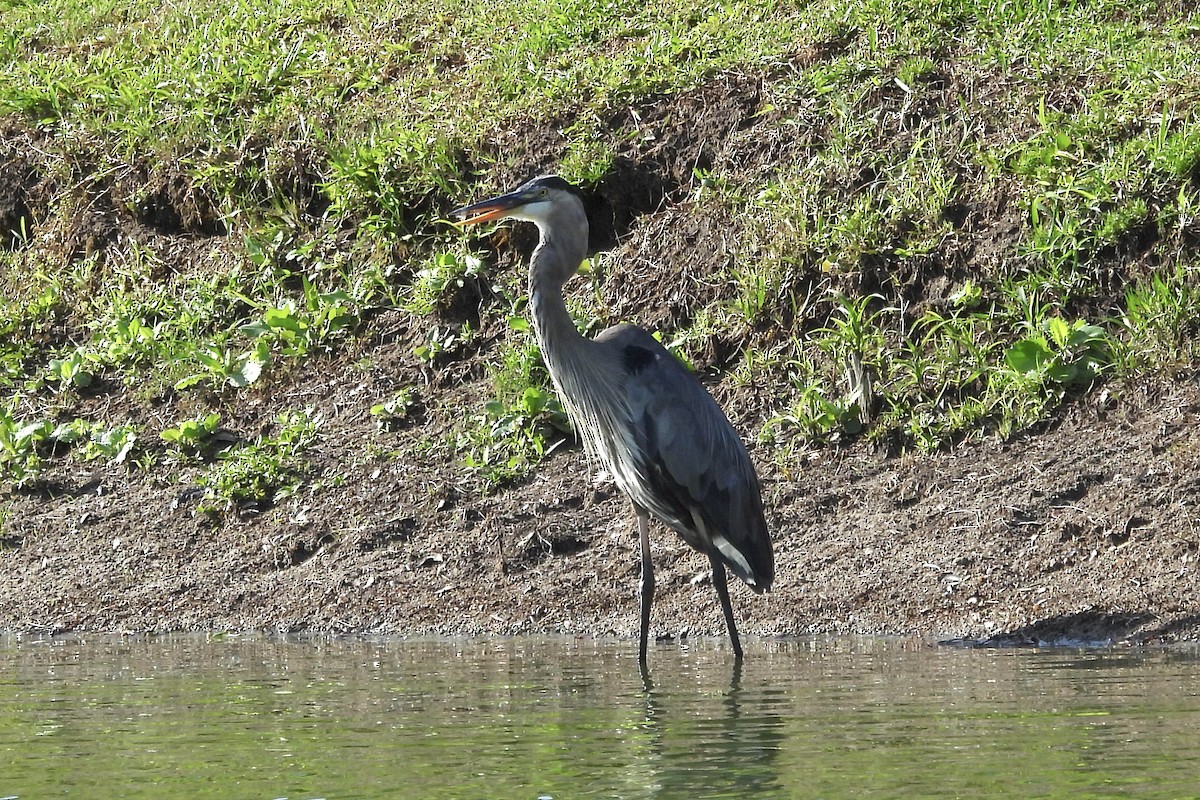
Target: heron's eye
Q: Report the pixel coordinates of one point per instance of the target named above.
(543, 192)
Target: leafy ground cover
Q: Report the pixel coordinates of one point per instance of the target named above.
(900, 237)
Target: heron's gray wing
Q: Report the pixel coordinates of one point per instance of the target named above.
(699, 478)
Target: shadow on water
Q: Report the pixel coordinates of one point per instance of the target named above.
(1084, 628)
(729, 753)
(1172, 630)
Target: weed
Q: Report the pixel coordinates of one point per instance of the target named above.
(436, 283)
(589, 155)
(759, 286)
(20, 461)
(856, 342)
(220, 367)
(813, 416)
(24, 448)
(441, 341)
(393, 413)
(295, 331)
(525, 422)
(1066, 354)
(506, 441)
(1161, 317)
(373, 178)
(191, 435)
(262, 471)
(71, 371)
(93, 440)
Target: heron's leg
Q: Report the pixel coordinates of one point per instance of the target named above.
(722, 587)
(646, 590)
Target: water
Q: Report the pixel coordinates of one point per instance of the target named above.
(561, 718)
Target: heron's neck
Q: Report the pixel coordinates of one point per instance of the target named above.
(550, 267)
(577, 365)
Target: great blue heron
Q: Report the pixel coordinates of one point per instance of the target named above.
(640, 412)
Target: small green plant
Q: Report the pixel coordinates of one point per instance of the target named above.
(1162, 314)
(1066, 354)
(372, 176)
(914, 70)
(436, 283)
(127, 340)
(813, 417)
(264, 470)
(92, 440)
(295, 330)
(20, 461)
(113, 444)
(442, 340)
(71, 370)
(506, 441)
(222, 367)
(1116, 222)
(855, 341)
(190, 435)
(815, 410)
(760, 286)
(589, 154)
(392, 414)
(936, 382)
(12, 363)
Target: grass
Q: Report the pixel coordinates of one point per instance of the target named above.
(523, 424)
(973, 211)
(262, 471)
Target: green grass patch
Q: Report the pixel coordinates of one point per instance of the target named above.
(945, 220)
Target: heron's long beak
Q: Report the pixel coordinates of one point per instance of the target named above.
(493, 208)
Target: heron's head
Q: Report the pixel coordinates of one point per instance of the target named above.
(554, 205)
(547, 200)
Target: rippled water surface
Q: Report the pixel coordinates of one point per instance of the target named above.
(562, 718)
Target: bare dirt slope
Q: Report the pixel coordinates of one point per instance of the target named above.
(1083, 532)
